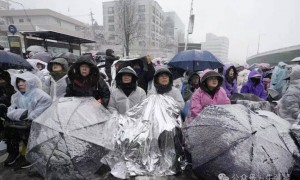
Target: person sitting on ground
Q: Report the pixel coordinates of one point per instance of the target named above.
(163, 83)
(127, 94)
(209, 93)
(254, 85)
(27, 103)
(230, 80)
(191, 86)
(84, 80)
(57, 83)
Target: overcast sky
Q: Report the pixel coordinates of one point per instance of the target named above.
(242, 21)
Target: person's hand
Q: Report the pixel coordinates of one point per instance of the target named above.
(149, 59)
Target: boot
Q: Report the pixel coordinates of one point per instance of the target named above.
(13, 153)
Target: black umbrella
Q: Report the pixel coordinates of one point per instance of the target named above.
(232, 140)
(13, 61)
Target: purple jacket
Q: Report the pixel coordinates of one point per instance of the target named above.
(257, 90)
(230, 88)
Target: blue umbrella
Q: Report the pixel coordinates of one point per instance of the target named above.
(195, 60)
(13, 61)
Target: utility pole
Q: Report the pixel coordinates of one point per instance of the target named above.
(187, 35)
(92, 20)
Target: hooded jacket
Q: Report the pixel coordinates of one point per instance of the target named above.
(202, 97)
(278, 75)
(119, 100)
(38, 73)
(92, 85)
(6, 89)
(289, 104)
(34, 100)
(187, 89)
(230, 86)
(58, 86)
(173, 92)
(250, 87)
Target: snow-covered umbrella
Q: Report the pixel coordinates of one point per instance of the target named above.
(68, 140)
(35, 49)
(233, 140)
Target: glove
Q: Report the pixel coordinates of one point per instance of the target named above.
(24, 115)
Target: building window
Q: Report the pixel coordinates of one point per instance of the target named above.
(111, 28)
(142, 17)
(142, 8)
(153, 44)
(111, 19)
(21, 20)
(111, 37)
(10, 20)
(153, 10)
(28, 20)
(111, 10)
(153, 19)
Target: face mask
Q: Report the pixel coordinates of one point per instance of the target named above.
(255, 81)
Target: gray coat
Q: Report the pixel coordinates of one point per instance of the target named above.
(57, 89)
(289, 104)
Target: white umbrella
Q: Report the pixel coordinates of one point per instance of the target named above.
(35, 49)
(297, 59)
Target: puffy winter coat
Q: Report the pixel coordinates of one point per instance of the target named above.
(201, 97)
(229, 87)
(289, 104)
(34, 100)
(57, 88)
(250, 87)
(174, 92)
(92, 85)
(118, 99)
(278, 75)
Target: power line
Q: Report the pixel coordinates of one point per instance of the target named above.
(28, 19)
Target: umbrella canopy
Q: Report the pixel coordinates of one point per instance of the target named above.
(195, 60)
(68, 140)
(36, 49)
(70, 57)
(13, 61)
(297, 59)
(237, 142)
(43, 56)
(244, 96)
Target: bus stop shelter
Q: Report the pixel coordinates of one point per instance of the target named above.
(52, 39)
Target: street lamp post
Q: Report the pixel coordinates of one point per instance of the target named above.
(187, 34)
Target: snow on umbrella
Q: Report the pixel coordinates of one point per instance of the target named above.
(13, 61)
(233, 140)
(43, 56)
(68, 140)
(195, 60)
(35, 49)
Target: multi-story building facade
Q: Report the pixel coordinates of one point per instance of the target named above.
(152, 17)
(4, 5)
(38, 20)
(217, 45)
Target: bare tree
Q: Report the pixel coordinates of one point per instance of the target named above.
(129, 23)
